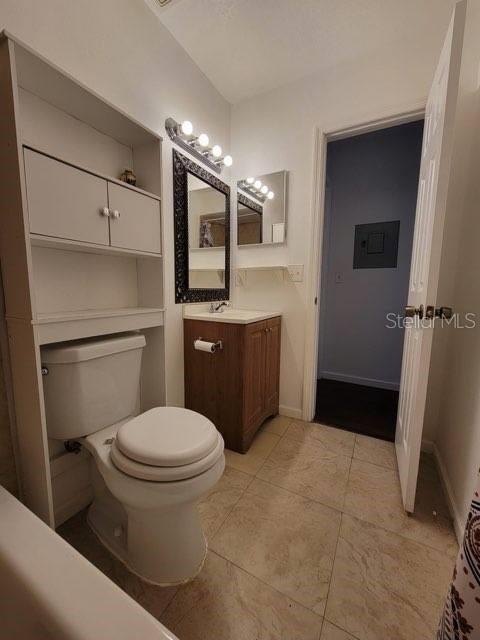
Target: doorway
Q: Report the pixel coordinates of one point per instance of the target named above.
(370, 200)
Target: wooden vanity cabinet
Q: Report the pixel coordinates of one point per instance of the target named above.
(236, 387)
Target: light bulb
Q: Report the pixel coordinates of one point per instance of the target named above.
(270, 195)
(216, 151)
(250, 180)
(203, 140)
(187, 127)
(228, 161)
(264, 189)
(257, 184)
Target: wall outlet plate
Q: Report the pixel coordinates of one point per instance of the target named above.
(295, 272)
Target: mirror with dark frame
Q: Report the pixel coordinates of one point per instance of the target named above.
(202, 233)
(262, 209)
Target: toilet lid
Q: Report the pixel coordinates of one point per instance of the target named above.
(167, 437)
(165, 474)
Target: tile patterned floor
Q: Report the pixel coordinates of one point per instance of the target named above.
(308, 540)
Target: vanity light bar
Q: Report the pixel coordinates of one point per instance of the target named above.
(257, 189)
(199, 146)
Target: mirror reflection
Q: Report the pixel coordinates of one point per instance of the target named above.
(261, 209)
(206, 234)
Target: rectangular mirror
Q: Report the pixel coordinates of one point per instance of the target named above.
(262, 209)
(202, 233)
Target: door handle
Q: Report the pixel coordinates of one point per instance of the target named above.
(411, 312)
(440, 312)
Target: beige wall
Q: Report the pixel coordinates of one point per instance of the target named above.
(275, 131)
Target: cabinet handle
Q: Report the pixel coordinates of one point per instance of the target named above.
(105, 211)
(116, 214)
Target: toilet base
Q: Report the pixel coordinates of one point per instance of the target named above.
(162, 546)
(100, 524)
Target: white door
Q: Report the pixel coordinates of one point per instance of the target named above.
(134, 219)
(427, 244)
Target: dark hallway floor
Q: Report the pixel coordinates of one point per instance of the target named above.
(367, 410)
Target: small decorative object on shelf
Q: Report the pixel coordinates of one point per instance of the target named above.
(129, 177)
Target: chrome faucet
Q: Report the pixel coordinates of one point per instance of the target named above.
(218, 308)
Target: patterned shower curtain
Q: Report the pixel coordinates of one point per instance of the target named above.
(461, 615)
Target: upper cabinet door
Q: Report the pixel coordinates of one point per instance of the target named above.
(64, 202)
(134, 220)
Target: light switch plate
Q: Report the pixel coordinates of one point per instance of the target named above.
(295, 272)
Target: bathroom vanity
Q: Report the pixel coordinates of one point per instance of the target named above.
(236, 386)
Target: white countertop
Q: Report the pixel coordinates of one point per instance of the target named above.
(232, 316)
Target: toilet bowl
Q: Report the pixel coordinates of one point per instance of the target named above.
(148, 471)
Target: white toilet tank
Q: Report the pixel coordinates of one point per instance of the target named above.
(90, 384)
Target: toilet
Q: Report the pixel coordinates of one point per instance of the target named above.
(148, 470)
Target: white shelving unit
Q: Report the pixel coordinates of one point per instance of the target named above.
(68, 273)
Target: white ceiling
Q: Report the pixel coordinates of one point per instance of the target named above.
(246, 47)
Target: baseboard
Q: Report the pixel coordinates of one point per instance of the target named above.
(367, 382)
(427, 446)
(290, 412)
(458, 521)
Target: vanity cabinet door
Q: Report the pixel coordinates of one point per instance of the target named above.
(134, 220)
(272, 373)
(64, 202)
(254, 374)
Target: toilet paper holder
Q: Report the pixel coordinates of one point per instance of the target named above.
(217, 346)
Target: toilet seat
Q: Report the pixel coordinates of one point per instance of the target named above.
(164, 474)
(166, 444)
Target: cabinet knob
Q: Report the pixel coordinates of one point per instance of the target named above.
(105, 211)
(116, 214)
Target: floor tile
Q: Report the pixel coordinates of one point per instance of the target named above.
(375, 451)
(334, 440)
(227, 603)
(331, 632)
(385, 586)
(216, 506)
(309, 469)
(251, 461)
(277, 425)
(285, 540)
(373, 494)
(77, 533)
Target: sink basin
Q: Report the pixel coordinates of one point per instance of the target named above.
(233, 316)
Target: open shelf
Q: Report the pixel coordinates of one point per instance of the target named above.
(51, 242)
(241, 273)
(73, 325)
(271, 267)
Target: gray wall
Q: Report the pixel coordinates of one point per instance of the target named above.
(370, 178)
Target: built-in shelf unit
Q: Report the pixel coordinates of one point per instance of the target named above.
(81, 251)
